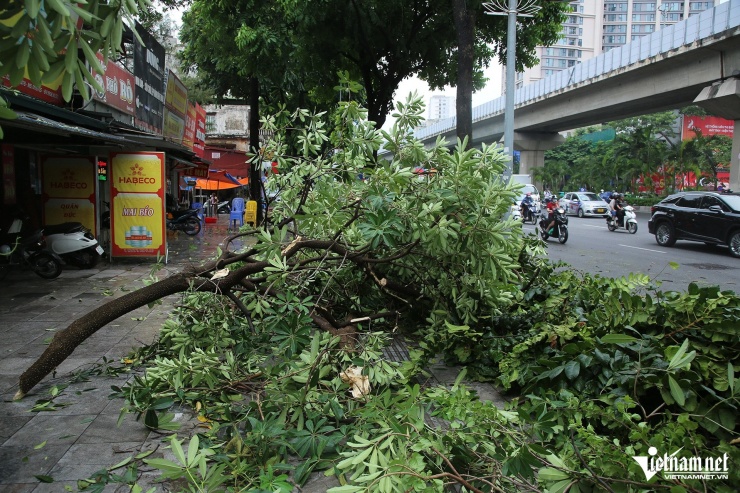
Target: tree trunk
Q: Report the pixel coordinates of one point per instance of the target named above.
(464, 19)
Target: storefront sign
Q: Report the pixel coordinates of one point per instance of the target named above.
(176, 97)
(706, 125)
(137, 204)
(199, 144)
(188, 137)
(118, 87)
(68, 184)
(174, 126)
(8, 164)
(149, 76)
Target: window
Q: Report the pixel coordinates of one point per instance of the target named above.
(710, 200)
(615, 18)
(571, 63)
(690, 201)
(643, 17)
(643, 7)
(210, 123)
(548, 62)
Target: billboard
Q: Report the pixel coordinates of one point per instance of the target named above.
(149, 77)
(707, 125)
(137, 204)
(68, 184)
(188, 137)
(199, 144)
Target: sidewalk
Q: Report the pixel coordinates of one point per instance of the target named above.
(79, 436)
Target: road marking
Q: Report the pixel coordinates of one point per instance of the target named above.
(592, 226)
(638, 248)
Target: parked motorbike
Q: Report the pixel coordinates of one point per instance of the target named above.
(529, 213)
(224, 207)
(74, 243)
(629, 223)
(27, 252)
(185, 220)
(559, 231)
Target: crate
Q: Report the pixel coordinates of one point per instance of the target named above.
(211, 220)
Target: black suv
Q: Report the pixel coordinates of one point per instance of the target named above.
(711, 217)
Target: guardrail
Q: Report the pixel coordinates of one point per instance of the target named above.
(709, 23)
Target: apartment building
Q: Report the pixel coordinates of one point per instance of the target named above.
(597, 26)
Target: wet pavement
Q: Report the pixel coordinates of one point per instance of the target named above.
(48, 442)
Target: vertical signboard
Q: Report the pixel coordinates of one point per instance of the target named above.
(137, 204)
(69, 190)
(118, 87)
(149, 76)
(188, 137)
(8, 163)
(199, 144)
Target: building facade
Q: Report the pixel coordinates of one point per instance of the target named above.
(597, 26)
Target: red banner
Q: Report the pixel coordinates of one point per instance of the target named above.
(707, 125)
(188, 137)
(199, 144)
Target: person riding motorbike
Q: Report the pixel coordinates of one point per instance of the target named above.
(551, 205)
(617, 207)
(527, 202)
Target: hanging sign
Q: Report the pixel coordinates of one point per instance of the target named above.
(137, 204)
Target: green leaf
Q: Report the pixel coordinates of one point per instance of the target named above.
(40, 445)
(618, 339)
(676, 391)
(45, 479)
(572, 369)
(551, 474)
(674, 265)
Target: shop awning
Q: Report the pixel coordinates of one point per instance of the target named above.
(220, 180)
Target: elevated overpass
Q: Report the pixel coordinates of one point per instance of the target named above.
(668, 69)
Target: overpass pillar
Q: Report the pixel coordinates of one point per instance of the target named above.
(532, 147)
(735, 159)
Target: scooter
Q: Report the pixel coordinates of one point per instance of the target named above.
(224, 207)
(629, 223)
(185, 220)
(529, 213)
(74, 243)
(17, 251)
(559, 230)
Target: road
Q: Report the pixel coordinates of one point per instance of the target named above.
(592, 248)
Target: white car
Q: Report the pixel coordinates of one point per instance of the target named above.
(584, 204)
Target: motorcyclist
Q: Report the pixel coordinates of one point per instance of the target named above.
(527, 202)
(551, 205)
(617, 207)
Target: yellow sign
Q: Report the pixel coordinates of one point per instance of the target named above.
(137, 205)
(69, 190)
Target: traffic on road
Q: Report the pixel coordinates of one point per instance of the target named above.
(594, 249)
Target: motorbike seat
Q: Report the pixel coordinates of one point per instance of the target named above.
(182, 212)
(63, 228)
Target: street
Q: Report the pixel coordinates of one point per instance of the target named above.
(592, 248)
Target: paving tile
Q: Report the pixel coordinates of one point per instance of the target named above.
(105, 430)
(19, 488)
(82, 460)
(10, 425)
(51, 427)
(20, 463)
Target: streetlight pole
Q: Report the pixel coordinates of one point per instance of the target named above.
(523, 8)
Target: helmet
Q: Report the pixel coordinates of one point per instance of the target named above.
(529, 194)
(602, 191)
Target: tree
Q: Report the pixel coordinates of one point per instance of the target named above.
(42, 42)
(708, 153)
(393, 250)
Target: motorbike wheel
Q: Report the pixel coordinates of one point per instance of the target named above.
(563, 236)
(543, 234)
(611, 226)
(533, 218)
(632, 228)
(192, 226)
(86, 259)
(46, 266)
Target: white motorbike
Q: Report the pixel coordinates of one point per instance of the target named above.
(629, 222)
(74, 243)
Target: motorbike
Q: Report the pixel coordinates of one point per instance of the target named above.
(185, 220)
(559, 230)
(224, 207)
(27, 252)
(529, 213)
(629, 223)
(74, 243)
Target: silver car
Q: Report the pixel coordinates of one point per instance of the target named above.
(584, 204)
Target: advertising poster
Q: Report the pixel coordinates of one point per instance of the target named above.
(69, 190)
(188, 137)
(707, 125)
(137, 204)
(149, 76)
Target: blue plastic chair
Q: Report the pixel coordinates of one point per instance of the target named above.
(237, 212)
(199, 207)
